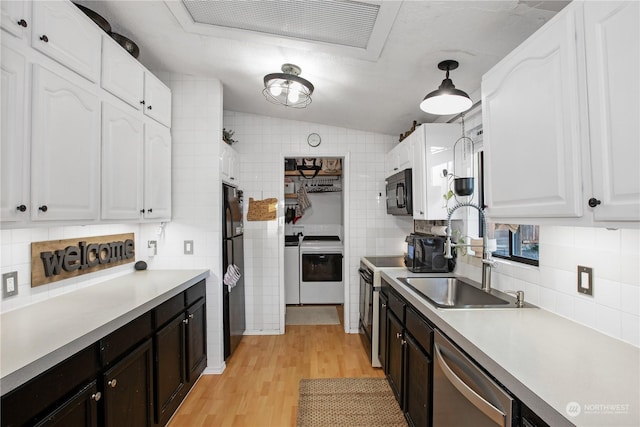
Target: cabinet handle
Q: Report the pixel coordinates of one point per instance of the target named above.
(142, 102)
(149, 107)
(593, 202)
(44, 39)
(141, 211)
(113, 383)
(185, 321)
(22, 23)
(96, 396)
(43, 208)
(398, 335)
(22, 208)
(149, 210)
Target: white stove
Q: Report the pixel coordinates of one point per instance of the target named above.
(321, 270)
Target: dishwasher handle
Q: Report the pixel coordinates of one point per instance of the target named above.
(495, 414)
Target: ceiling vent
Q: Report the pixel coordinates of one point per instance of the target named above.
(357, 28)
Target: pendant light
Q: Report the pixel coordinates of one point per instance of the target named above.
(446, 99)
(288, 88)
(463, 164)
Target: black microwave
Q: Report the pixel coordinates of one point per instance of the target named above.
(425, 254)
(399, 191)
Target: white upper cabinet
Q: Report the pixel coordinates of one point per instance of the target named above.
(65, 149)
(399, 158)
(122, 75)
(612, 41)
(157, 99)
(62, 32)
(229, 164)
(533, 136)
(14, 150)
(16, 17)
(157, 172)
(122, 164)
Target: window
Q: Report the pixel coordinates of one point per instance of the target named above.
(517, 243)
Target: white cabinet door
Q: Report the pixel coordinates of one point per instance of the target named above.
(391, 163)
(122, 75)
(229, 164)
(14, 150)
(157, 171)
(440, 140)
(418, 176)
(157, 98)
(122, 164)
(65, 149)
(15, 17)
(62, 32)
(612, 42)
(532, 108)
(399, 158)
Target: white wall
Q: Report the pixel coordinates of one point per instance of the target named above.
(614, 255)
(263, 142)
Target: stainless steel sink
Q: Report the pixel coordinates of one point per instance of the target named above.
(452, 292)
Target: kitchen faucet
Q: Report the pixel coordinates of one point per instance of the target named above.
(487, 261)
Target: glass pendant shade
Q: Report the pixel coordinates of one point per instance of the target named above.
(288, 88)
(446, 99)
(463, 166)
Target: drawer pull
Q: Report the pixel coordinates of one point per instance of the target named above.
(22, 23)
(398, 335)
(113, 383)
(96, 396)
(44, 39)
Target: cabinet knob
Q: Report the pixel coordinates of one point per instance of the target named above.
(398, 335)
(142, 102)
(44, 38)
(149, 210)
(22, 23)
(141, 211)
(384, 305)
(43, 208)
(22, 208)
(96, 396)
(185, 321)
(191, 316)
(149, 107)
(403, 342)
(113, 383)
(395, 169)
(593, 202)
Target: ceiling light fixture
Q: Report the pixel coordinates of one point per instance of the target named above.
(446, 99)
(288, 88)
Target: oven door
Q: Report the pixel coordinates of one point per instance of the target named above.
(321, 278)
(366, 306)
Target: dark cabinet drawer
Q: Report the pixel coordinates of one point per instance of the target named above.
(168, 310)
(122, 340)
(195, 292)
(420, 330)
(397, 306)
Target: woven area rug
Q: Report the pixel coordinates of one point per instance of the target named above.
(312, 315)
(348, 402)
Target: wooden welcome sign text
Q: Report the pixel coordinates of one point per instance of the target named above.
(56, 260)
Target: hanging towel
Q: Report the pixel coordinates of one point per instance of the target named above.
(232, 276)
(303, 199)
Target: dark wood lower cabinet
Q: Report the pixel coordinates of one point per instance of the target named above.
(170, 367)
(80, 410)
(128, 388)
(382, 333)
(417, 385)
(395, 356)
(135, 376)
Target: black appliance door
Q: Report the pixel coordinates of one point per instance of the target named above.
(324, 267)
(399, 193)
(232, 212)
(233, 298)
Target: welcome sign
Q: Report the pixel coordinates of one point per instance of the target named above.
(56, 260)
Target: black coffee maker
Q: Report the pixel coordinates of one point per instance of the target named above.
(425, 254)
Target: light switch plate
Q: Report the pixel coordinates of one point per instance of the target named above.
(10, 284)
(188, 247)
(585, 280)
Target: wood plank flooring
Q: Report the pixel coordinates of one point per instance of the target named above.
(259, 387)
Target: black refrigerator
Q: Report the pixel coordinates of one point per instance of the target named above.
(232, 254)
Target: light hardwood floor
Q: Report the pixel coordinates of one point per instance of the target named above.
(259, 387)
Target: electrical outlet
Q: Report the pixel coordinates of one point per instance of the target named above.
(152, 247)
(585, 280)
(10, 284)
(188, 247)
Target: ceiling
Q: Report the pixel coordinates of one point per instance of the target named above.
(376, 89)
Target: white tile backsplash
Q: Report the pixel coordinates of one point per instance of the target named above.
(614, 308)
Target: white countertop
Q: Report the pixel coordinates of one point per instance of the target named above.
(37, 337)
(547, 361)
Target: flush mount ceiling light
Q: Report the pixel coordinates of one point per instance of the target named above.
(288, 88)
(446, 99)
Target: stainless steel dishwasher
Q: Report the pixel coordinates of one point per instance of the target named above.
(463, 395)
